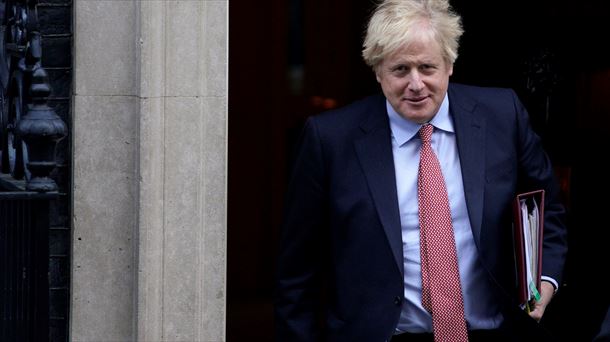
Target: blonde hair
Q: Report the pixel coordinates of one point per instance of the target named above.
(396, 23)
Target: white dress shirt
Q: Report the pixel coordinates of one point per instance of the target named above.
(481, 311)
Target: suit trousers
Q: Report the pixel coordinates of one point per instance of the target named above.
(494, 335)
(517, 327)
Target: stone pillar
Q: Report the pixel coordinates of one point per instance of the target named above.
(150, 156)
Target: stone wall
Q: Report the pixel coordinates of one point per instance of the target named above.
(149, 170)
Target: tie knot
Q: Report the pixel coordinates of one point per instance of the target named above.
(425, 133)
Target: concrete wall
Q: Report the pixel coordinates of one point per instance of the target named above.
(149, 140)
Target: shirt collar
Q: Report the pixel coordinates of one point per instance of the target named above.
(404, 130)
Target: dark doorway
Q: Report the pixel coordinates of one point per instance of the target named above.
(292, 59)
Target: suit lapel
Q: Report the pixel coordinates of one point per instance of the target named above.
(470, 136)
(374, 151)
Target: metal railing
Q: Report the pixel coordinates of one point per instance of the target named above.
(29, 131)
(24, 259)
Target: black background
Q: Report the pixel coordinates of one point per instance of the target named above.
(502, 44)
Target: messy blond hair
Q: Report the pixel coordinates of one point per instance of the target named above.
(396, 23)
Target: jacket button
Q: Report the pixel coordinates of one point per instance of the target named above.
(397, 300)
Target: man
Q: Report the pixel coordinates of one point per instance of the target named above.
(350, 260)
(603, 335)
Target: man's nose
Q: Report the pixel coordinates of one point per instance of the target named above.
(415, 82)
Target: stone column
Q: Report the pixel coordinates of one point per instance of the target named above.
(150, 137)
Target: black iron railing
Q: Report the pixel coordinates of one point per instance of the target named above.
(29, 131)
(24, 258)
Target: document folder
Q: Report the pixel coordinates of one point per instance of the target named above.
(528, 217)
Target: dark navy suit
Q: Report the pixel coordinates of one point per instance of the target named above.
(340, 275)
(604, 332)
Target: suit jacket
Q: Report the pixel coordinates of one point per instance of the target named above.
(340, 269)
(603, 335)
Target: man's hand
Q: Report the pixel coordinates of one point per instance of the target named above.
(546, 294)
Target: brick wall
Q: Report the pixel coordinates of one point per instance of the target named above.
(55, 17)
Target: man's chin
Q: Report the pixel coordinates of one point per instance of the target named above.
(416, 115)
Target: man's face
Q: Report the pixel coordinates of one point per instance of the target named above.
(415, 79)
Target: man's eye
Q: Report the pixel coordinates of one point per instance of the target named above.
(427, 68)
(400, 70)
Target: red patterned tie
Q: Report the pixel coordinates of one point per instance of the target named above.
(441, 289)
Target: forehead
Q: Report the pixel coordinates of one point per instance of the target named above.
(417, 50)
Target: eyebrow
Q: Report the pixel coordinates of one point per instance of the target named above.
(426, 61)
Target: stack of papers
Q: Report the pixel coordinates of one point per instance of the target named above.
(529, 219)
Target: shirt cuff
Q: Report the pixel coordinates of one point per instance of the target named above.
(552, 281)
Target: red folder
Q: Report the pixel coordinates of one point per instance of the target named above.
(520, 241)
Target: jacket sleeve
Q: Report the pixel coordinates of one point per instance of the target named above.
(300, 254)
(536, 172)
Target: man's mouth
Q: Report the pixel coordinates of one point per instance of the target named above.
(417, 100)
